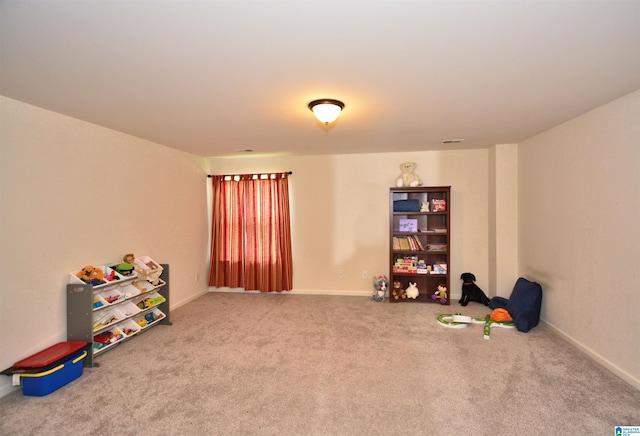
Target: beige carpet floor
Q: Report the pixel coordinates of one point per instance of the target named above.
(253, 364)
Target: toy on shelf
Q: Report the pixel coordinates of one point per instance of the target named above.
(91, 275)
(137, 285)
(104, 339)
(97, 302)
(150, 302)
(148, 269)
(440, 293)
(126, 268)
(380, 284)
(111, 276)
(412, 291)
(142, 322)
(148, 319)
(129, 331)
(397, 292)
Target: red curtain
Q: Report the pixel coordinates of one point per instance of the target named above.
(251, 236)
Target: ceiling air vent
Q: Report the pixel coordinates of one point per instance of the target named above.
(452, 141)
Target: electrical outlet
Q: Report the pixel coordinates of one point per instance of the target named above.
(340, 274)
(365, 274)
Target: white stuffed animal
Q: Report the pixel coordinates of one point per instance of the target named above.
(412, 291)
(408, 178)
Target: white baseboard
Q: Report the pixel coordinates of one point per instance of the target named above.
(6, 390)
(174, 306)
(596, 357)
(347, 293)
(344, 292)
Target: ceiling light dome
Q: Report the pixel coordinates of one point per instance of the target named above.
(326, 110)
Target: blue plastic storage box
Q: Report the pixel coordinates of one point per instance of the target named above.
(51, 369)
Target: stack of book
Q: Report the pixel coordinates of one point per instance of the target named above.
(406, 264)
(411, 265)
(437, 247)
(408, 243)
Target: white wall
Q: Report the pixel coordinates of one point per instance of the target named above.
(73, 194)
(340, 213)
(579, 197)
(503, 219)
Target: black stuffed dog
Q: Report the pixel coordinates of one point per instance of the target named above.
(471, 291)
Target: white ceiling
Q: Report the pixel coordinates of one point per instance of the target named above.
(211, 77)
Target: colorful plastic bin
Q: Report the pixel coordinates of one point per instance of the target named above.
(50, 369)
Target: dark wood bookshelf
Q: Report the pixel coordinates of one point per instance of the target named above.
(413, 247)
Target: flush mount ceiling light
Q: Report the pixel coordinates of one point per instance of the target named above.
(326, 110)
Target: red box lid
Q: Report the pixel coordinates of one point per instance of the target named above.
(50, 355)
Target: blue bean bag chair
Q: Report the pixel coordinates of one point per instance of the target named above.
(523, 305)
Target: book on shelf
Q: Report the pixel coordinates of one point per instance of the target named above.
(408, 243)
(432, 230)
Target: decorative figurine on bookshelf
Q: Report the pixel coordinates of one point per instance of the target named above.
(424, 206)
(381, 284)
(412, 291)
(408, 178)
(440, 293)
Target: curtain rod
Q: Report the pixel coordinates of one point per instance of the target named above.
(257, 174)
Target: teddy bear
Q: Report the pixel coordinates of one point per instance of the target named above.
(408, 178)
(397, 292)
